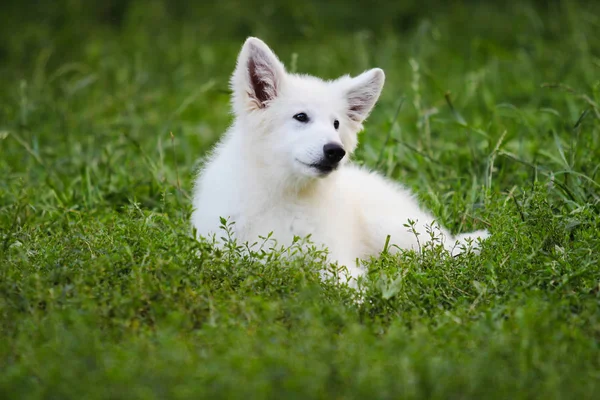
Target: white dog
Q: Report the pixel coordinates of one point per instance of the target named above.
(283, 167)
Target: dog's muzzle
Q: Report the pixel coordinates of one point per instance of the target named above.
(333, 153)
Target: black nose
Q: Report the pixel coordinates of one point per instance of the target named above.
(333, 152)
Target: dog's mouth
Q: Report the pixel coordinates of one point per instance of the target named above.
(324, 168)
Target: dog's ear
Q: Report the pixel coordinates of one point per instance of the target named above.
(362, 93)
(258, 75)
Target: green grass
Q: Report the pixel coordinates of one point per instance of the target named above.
(490, 113)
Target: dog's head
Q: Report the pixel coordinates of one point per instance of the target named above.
(300, 123)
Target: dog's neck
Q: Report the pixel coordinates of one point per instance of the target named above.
(266, 179)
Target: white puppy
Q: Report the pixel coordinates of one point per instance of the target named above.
(283, 167)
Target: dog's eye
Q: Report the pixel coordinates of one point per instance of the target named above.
(301, 117)
(336, 124)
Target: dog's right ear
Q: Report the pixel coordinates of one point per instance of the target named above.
(258, 76)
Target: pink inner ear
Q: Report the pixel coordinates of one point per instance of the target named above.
(359, 105)
(262, 76)
(355, 112)
(259, 85)
(361, 100)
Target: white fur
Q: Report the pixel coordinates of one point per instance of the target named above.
(259, 175)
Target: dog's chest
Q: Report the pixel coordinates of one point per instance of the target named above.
(285, 222)
(302, 223)
(295, 220)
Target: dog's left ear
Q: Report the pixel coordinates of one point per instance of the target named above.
(258, 75)
(362, 93)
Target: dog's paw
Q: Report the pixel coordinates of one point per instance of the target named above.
(469, 241)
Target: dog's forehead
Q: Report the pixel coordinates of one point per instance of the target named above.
(321, 95)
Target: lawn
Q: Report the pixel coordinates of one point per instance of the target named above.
(490, 113)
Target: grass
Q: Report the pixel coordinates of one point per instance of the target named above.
(490, 113)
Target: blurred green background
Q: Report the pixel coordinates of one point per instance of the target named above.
(93, 70)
